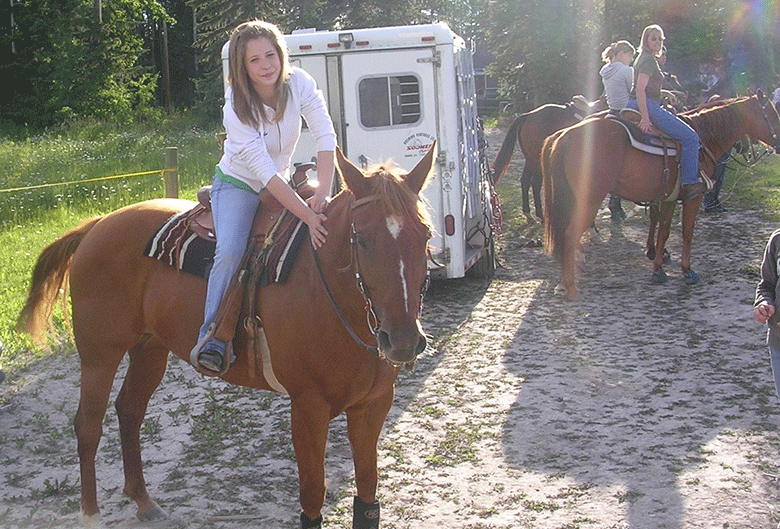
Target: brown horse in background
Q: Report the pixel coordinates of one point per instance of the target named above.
(583, 163)
(322, 352)
(529, 131)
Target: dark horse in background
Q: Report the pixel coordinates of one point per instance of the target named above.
(583, 163)
(529, 131)
(322, 353)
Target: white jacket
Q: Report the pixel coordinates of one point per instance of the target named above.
(254, 155)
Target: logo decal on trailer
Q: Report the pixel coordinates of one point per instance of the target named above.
(416, 145)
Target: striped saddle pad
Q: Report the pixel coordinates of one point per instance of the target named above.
(177, 244)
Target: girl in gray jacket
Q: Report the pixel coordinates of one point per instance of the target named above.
(617, 75)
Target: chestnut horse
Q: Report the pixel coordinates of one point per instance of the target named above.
(529, 131)
(123, 302)
(583, 163)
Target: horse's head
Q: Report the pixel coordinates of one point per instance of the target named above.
(390, 232)
(764, 124)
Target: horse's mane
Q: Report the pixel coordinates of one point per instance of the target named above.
(710, 117)
(395, 197)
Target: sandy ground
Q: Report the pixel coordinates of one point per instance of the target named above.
(639, 407)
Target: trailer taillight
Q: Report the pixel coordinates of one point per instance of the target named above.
(449, 225)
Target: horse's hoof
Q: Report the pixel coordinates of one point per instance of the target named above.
(365, 515)
(650, 253)
(659, 276)
(529, 219)
(155, 514)
(573, 295)
(90, 521)
(308, 523)
(691, 277)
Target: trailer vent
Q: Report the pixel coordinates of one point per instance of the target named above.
(389, 100)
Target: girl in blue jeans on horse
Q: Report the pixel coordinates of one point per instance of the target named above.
(646, 97)
(262, 117)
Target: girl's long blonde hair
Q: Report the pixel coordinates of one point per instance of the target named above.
(652, 28)
(246, 102)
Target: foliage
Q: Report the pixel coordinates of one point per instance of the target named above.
(67, 63)
(548, 50)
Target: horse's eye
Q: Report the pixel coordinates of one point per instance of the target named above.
(361, 241)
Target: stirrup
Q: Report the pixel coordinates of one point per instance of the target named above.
(227, 361)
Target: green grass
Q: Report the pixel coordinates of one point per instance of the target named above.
(756, 188)
(30, 219)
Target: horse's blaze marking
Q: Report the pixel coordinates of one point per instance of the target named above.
(394, 226)
(403, 284)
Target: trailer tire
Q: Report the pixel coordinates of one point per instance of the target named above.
(485, 267)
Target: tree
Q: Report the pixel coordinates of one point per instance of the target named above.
(539, 47)
(549, 50)
(66, 63)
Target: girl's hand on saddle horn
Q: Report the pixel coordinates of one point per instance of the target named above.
(763, 312)
(317, 231)
(645, 124)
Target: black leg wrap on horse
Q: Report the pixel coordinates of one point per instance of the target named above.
(308, 523)
(365, 515)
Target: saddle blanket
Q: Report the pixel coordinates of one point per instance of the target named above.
(176, 244)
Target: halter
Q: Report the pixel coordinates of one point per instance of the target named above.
(772, 132)
(372, 320)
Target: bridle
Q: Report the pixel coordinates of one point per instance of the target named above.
(772, 132)
(372, 320)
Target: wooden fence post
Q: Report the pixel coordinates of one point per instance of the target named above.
(172, 172)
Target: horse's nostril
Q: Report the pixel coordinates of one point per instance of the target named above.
(383, 339)
(421, 345)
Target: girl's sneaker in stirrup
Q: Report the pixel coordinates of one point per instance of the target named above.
(212, 356)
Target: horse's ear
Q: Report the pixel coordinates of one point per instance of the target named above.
(417, 177)
(352, 177)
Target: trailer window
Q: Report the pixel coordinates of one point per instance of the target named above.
(392, 100)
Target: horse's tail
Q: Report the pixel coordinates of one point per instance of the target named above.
(501, 161)
(49, 279)
(558, 196)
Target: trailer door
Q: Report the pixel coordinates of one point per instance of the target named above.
(389, 105)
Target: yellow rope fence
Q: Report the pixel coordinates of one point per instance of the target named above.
(161, 172)
(170, 176)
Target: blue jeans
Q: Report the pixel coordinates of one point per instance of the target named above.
(234, 209)
(774, 358)
(679, 130)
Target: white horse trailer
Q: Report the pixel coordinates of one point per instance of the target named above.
(391, 92)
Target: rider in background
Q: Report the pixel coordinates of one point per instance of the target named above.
(671, 89)
(618, 78)
(646, 97)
